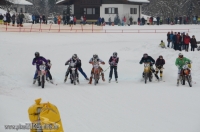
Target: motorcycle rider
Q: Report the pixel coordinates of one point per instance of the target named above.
(147, 58)
(48, 67)
(76, 61)
(38, 60)
(159, 65)
(81, 70)
(180, 62)
(113, 61)
(95, 61)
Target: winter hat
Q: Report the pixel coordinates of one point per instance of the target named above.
(161, 40)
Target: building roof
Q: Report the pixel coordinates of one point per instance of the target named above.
(20, 2)
(59, 1)
(140, 1)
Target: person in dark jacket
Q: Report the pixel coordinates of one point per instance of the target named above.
(168, 20)
(158, 20)
(180, 18)
(138, 21)
(1, 18)
(21, 17)
(178, 41)
(43, 19)
(193, 43)
(33, 19)
(168, 39)
(13, 19)
(68, 18)
(99, 21)
(48, 74)
(174, 41)
(38, 60)
(186, 41)
(159, 65)
(113, 61)
(143, 21)
(102, 20)
(8, 18)
(176, 20)
(149, 59)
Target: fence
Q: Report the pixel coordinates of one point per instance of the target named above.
(52, 28)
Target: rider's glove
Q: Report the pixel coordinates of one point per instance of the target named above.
(140, 62)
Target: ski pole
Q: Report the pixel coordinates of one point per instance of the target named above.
(106, 69)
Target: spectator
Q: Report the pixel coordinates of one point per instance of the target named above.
(143, 21)
(109, 20)
(43, 19)
(64, 20)
(180, 20)
(174, 41)
(131, 20)
(81, 20)
(21, 19)
(13, 19)
(161, 21)
(1, 18)
(8, 17)
(33, 19)
(17, 20)
(138, 20)
(102, 20)
(162, 44)
(68, 19)
(124, 20)
(168, 39)
(168, 20)
(151, 20)
(99, 21)
(74, 20)
(84, 19)
(71, 20)
(194, 20)
(4, 19)
(186, 41)
(55, 20)
(178, 42)
(193, 43)
(148, 20)
(171, 38)
(176, 20)
(59, 19)
(198, 20)
(158, 20)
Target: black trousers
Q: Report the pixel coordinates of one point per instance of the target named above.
(186, 47)
(49, 75)
(115, 71)
(192, 48)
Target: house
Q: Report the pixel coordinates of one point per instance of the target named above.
(93, 9)
(20, 5)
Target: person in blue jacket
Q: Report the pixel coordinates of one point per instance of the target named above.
(33, 19)
(171, 39)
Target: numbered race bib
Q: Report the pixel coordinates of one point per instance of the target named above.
(42, 67)
(96, 66)
(72, 64)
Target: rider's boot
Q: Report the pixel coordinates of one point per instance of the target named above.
(102, 74)
(161, 74)
(109, 80)
(116, 80)
(90, 82)
(65, 78)
(34, 80)
(157, 77)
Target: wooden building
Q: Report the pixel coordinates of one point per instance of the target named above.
(93, 9)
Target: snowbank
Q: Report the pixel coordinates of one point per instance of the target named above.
(20, 2)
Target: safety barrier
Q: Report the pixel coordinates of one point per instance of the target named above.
(52, 28)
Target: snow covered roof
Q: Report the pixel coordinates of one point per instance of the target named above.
(60, 1)
(2, 11)
(140, 1)
(20, 2)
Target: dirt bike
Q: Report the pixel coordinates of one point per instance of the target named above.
(73, 74)
(42, 75)
(96, 73)
(185, 75)
(147, 72)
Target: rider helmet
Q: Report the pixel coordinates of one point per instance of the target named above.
(74, 56)
(37, 54)
(145, 55)
(180, 55)
(115, 54)
(95, 56)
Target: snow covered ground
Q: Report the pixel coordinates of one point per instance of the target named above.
(129, 106)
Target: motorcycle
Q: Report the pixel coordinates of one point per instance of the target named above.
(73, 74)
(42, 76)
(96, 73)
(185, 75)
(147, 72)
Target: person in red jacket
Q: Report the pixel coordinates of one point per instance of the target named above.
(178, 41)
(74, 20)
(186, 41)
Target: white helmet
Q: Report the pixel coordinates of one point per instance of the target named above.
(95, 56)
(180, 55)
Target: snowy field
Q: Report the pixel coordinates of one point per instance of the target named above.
(129, 106)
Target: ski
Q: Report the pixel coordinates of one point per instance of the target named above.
(51, 82)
